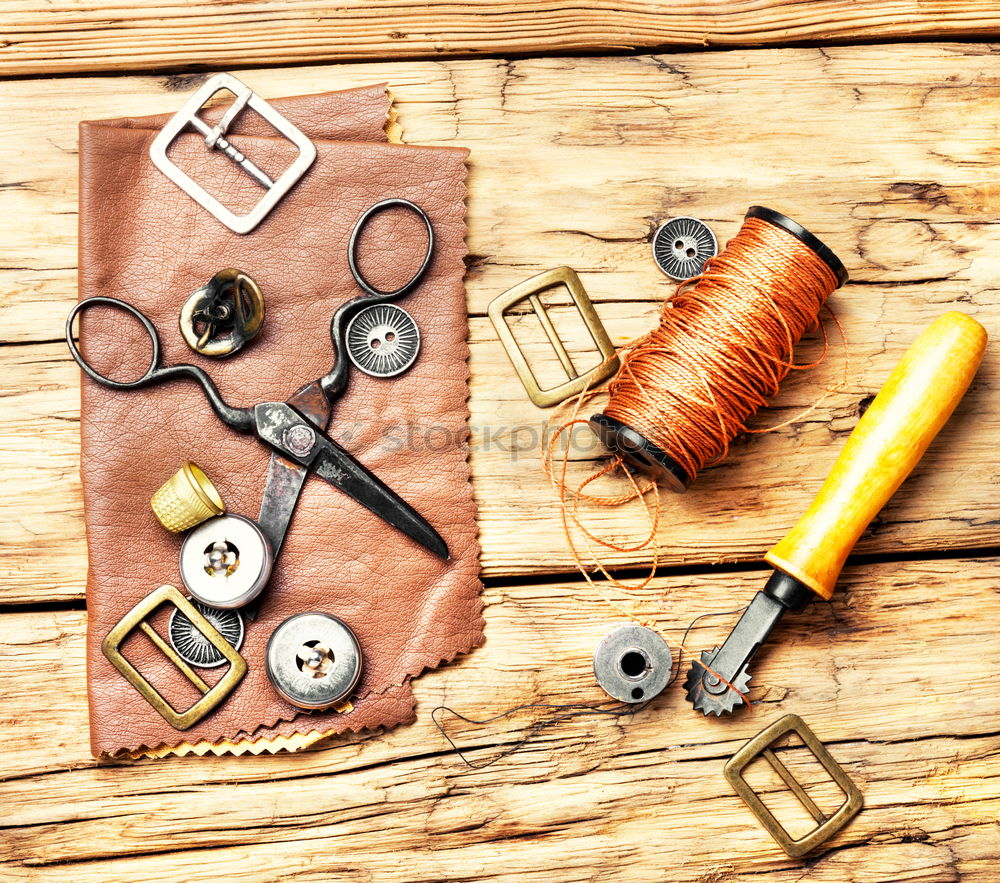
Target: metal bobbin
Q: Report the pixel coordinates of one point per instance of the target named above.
(633, 663)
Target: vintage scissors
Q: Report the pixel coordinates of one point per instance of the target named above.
(294, 429)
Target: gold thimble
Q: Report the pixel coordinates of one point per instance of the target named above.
(186, 498)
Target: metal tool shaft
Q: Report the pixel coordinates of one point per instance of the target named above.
(753, 629)
(717, 682)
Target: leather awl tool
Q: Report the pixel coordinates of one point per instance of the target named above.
(891, 436)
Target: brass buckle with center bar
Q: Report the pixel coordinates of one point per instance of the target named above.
(215, 140)
(577, 382)
(211, 696)
(762, 745)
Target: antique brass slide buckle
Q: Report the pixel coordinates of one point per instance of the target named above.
(215, 140)
(211, 696)
(761, 746)
(577, 382)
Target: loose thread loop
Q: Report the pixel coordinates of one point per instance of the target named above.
(559, 712)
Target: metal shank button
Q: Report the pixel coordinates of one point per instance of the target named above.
(313, 660)
(226, 561)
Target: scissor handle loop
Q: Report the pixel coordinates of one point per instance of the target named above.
(240, 419)
(88, 369)
(333, 383)
(352, 248)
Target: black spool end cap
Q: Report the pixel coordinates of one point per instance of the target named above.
(638, 451)
(823, 251)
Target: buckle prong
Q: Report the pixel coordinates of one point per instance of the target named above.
(215, 141)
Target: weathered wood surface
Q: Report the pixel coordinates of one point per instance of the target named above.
(886, 152)
(47, 37)
(897, 675)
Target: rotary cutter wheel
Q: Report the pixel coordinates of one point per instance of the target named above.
(708, 692)
(383, 340)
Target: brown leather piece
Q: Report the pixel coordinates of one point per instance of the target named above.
(144, 241)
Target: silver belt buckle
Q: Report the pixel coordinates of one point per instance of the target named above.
(215, 140)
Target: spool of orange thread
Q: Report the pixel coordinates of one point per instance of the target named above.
(723, 344)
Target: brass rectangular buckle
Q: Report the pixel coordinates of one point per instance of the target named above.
(211, 696)
(215, 140)
(761, 746)
(529, 290)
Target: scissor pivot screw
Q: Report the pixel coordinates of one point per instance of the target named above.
(299, 439)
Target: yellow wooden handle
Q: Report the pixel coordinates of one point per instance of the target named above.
(915, 402)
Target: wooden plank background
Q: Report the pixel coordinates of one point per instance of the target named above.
(914, 720)
(577, 161)
(102, 35)
(888, 152)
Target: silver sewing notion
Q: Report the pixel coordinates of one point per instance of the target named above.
(383, 340)
(632, 663)
(192, 645)
(226, 561)
(682, 246)
(215, 140)
(313, 660)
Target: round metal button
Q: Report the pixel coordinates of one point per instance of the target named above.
(224, 315)
(632, 663)
(226, 561)
(682, 245)
(383, 340)
(313, 660)
(192, 646)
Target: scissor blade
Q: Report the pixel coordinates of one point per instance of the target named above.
(281, 493)
(285, 478)
(339, 468)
